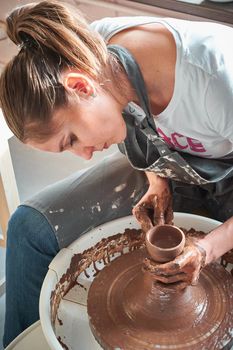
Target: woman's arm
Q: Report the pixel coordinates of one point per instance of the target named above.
(153, 178)
(156, 182)
(218, 242)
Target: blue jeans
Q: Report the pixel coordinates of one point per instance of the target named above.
(31, 245)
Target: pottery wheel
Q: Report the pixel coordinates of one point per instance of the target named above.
(128, 311)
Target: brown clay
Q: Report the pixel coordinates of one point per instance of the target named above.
(165, 242)
(129, 311)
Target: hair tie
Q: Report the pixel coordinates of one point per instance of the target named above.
(27, 42)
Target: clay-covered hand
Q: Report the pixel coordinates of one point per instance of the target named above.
(184, 269)
(155, 207)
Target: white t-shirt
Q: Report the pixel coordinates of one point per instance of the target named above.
(199, 117)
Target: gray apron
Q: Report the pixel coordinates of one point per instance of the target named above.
(147, 151)
(88, 198)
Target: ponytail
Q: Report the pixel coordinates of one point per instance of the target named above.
(50, 37)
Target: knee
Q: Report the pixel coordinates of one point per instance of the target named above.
(27, 227)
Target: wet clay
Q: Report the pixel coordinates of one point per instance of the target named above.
(104, 251)
(164, 242)
(171, 241)
(128, 310)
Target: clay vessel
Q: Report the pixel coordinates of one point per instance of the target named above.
(165, 242)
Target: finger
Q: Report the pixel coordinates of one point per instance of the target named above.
(170, 268)
(158, 217)
(195, 278)
(140, 214)
(154, 201)
(179, 264)
(144, 209)
(146, 225)
(164, 199)
(137, 210)
(134, 210)
(160, 220)
(184, 259)
(169, 213)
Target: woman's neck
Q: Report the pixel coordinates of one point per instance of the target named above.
(117, 83)
(154, 48)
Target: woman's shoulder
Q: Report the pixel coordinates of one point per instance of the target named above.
(109, 26)
(206, 45)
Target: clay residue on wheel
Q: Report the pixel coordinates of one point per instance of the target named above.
(105, 250)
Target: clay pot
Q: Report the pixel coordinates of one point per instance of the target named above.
(165, 242)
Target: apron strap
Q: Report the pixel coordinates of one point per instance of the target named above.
(145, 121)
(135, 77)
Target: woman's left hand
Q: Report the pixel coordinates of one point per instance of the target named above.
(155, 207)
(184, 269)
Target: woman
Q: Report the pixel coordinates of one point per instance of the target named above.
(160, 85)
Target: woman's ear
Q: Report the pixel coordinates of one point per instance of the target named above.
(78, 83)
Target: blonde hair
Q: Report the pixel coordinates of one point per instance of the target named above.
(51, 37)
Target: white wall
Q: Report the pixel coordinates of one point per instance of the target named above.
(34, 169)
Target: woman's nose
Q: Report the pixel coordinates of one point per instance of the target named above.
(84, 152)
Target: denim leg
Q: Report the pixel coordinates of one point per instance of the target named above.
(31, 245)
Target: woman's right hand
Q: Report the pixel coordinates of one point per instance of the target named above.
(184, 270)
(155, 207)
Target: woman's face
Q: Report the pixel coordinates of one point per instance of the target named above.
(86, 126)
